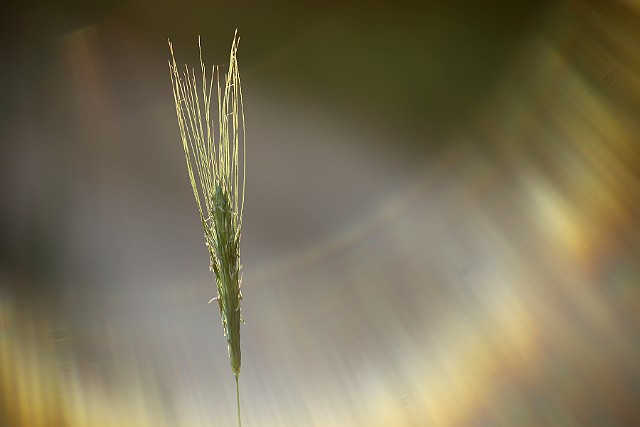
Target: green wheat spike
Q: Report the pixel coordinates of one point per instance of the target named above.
(217, 179)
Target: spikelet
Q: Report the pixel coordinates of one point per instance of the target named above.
(216, 169)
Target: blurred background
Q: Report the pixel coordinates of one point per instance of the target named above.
(441, 219)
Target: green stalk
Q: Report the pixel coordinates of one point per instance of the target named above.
(238, 401)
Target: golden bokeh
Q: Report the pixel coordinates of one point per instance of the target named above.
(484, 274)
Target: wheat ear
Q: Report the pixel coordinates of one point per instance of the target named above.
(216, 168)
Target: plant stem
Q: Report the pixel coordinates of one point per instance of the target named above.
(238, 401)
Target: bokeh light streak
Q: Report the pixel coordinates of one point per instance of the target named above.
(492, 279)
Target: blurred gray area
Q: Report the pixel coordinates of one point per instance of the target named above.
(441, 221)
